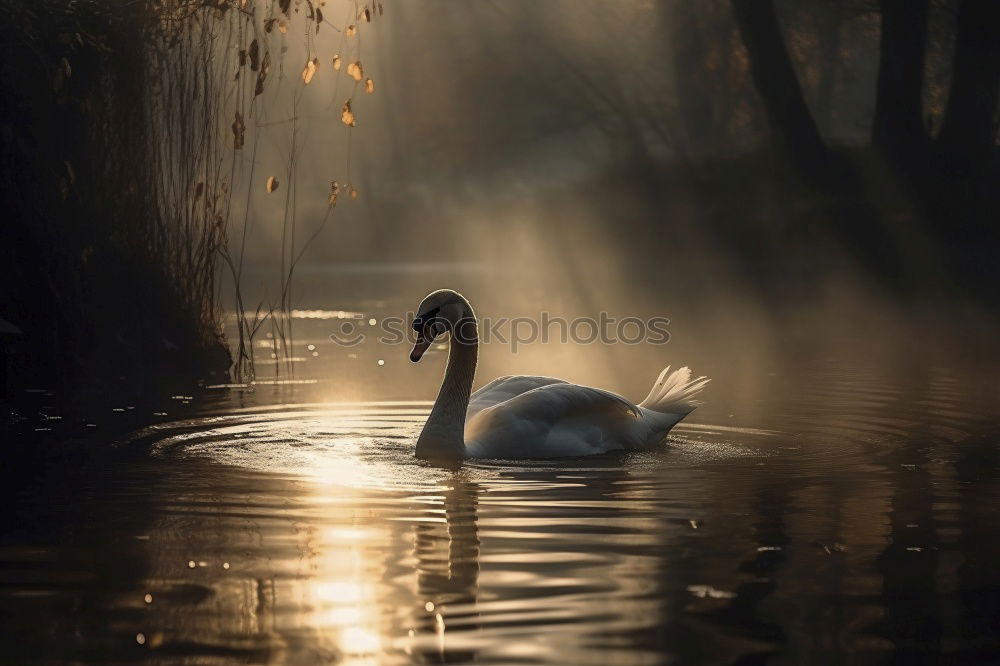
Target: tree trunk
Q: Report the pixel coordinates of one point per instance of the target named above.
(830, 33)
(969, 125)
(898, 124)
(792, 126)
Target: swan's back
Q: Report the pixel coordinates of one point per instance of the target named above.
(504, 388)
(543, 417)
(557, 419)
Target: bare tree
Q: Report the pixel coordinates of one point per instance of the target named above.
(792, 126)
(969, 126)
(898, 126)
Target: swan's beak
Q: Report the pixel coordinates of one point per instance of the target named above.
(419, 347)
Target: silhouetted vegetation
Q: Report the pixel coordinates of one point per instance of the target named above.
(123, 137)
(113, 228)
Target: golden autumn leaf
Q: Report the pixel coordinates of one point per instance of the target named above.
(265, 65)
(336, 63)
(282, 27)
(351, 30)
(310, 70)
(354, 192)
(346, 115)
(369, 86)
(272, 184)
(355, 71)
(238, 131)
(254, 53)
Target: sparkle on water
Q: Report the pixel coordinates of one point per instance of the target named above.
(858, 523)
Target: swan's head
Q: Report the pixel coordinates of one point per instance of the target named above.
(442, 311)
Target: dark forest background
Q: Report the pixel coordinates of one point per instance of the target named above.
(790, 143)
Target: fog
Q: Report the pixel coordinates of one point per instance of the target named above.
(580, 157)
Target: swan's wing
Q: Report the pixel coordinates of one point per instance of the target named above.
(552, 421)
(502, 389)
(561, 400)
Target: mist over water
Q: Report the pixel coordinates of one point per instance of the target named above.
(580, 157)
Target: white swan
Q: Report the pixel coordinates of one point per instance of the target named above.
(532, 417)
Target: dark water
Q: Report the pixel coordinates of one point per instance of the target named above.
(848, 513)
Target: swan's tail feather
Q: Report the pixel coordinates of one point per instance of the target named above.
(673, 392)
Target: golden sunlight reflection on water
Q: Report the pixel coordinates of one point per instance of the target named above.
(349, 548)
(309, 533)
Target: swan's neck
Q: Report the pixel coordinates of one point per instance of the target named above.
(443, 436)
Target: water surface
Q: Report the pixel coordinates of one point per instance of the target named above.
(848, 516)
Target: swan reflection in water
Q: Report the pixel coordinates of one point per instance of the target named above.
(447, 555)
(852, 518)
